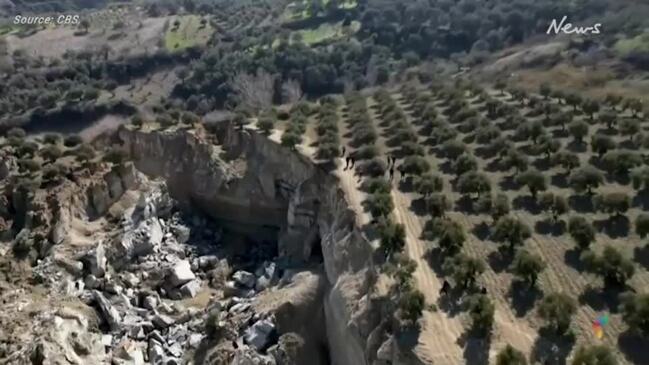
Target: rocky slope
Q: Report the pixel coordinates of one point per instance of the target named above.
(264, 183)
(215, 248)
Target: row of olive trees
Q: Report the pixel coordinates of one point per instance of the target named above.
(555, 308)
(410, 301)
(327, 130)
(296, 126)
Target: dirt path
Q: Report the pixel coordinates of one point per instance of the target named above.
(440, 333)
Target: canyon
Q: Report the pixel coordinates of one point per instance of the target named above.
(212, 247)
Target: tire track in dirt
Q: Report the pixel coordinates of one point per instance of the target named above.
(437, 342)
(507, 329)
(440, 333)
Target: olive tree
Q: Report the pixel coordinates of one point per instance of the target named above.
(611, 265)
(566, 159)
(601, 143)
(453, 148)
(291, 139)
(510, 356)
(591, 107)
(527, 267)
(414, 166)
(473, 182)
(609, 118)
(377, 186)
(612, 203)
(411, 305)
(438, 204)
(465, 163)
(266, 123)
(392, 236)
(579, 130)
(464, 269)
(380, 204)
(620, 161)
(585, 179)
(640, 178)
(557, 310)
(450, 235)
(534, 180)
(511, 231)
(630, 128)
(554, 203)
(594, 355)
(375, 167)
(581, 231)
(516, 160)
(428, 183)
(635, 312)
(481, 310)
(51, 152)
(642, 225)
(496, 206)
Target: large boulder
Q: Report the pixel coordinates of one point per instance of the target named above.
(128, 353)
(95, 261)
(181, 273)
(140, 241)
(244, 279)
(108, 313)
(181, 233)
(190, 289)
(259, 335)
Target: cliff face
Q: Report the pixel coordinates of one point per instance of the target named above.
(246, 178)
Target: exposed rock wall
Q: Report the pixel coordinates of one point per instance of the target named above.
(245, 177)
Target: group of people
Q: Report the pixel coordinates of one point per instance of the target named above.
(350, 162)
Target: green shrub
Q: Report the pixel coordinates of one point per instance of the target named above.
(72, 140)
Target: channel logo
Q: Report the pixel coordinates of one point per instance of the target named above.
(598, 326)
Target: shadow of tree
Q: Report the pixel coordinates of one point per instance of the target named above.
(572, 259)
(451, 303)
(641, 200)
(464, 204)
(508, 183)
(468, 139)
(559, 180)
(550, 227)
(493, 166)
(483, 152)
(405, 185)
(418, 206)
(436, 151)
(528, 203)
(446, 167)
(542, 164)
(481, 231)
(500, 259)
(523, 297)
(641, 255)
(552, 349)
(622, 179)
(576, 147)
(606, 298)
(634, 347)
(435, 259)
(558, 133)
(581, 203)
(614, 227)
(606, 131)
(476, 347)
